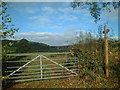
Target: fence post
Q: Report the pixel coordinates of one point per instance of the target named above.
(106, 30)
(1, 60)
(41, 67)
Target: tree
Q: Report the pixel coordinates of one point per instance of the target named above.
(96, 8)
(23, 46)
(6, 25)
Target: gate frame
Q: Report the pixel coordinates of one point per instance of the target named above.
(41, 56)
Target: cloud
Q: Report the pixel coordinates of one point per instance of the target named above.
(109, 16)
(30, 10)
(114, 14)
(49, 10)
(115, 37)
(26, 8)
(53, 39)
(39, 20)
(65, 10)
(45, 18)
(61, 13)
(68, 17)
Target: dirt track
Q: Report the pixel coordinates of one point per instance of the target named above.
(71, 82)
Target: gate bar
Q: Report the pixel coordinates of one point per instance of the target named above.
(56, 71)
(60, 65)
(44, 68)
(44, 78)
(37, 75)
(42, 60)
(27, 73)
(23, 66)
(38, 54)
(43, 65)
(41, 70)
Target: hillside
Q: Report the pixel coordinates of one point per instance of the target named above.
(25, 46)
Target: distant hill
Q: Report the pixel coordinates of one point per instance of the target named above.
(25, 46)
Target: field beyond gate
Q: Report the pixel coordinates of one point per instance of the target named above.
(29, 67)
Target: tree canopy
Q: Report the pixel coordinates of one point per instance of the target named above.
(23, 46)
(6, 25)
(96, 8)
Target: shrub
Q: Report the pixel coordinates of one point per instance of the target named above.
(92, 60)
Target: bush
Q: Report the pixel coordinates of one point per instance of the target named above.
(90, 63)
(92, 60)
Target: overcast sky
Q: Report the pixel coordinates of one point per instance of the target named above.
(56, 23)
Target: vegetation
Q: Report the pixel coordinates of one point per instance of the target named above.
(25, 46)
(91, 65)
(88, 49)
(96, 8)
(71, 82)
(7, 27)
(90, 53)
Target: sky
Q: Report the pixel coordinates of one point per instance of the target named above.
(56, 23)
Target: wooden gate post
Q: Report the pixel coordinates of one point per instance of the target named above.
(106, 30)
(1, 59)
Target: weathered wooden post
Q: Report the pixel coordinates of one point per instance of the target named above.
(106, 30)
(1, 60)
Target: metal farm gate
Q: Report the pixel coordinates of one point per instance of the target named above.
(29, 67)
